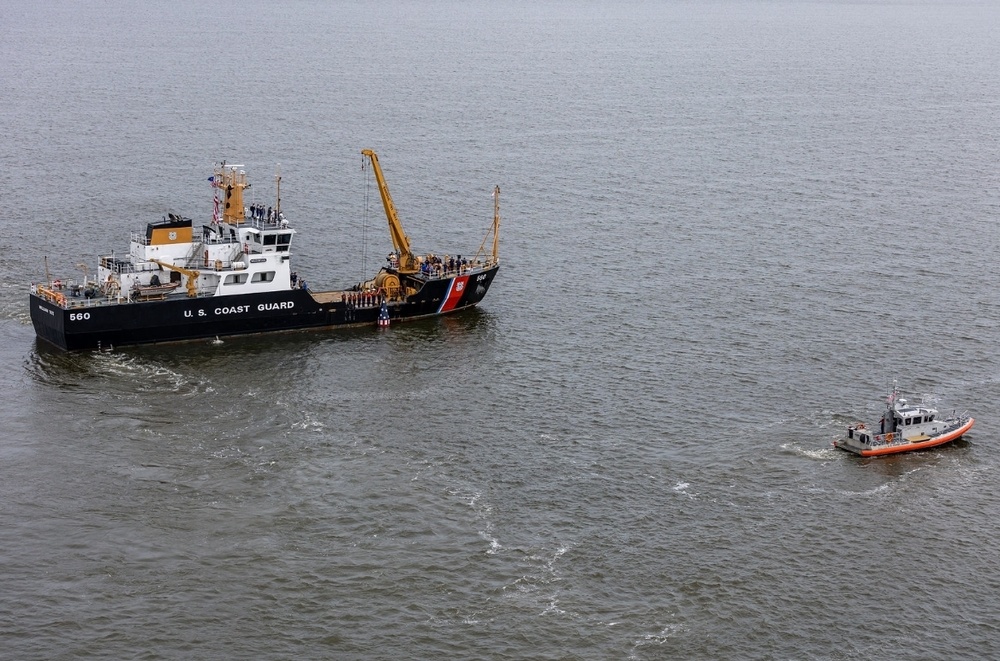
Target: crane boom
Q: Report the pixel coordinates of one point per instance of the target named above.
(192, 276)
(407, 262)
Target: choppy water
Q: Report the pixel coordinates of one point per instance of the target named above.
(727, 227)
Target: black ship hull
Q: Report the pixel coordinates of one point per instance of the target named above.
(85, 324)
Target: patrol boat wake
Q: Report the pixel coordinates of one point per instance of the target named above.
(233, 276)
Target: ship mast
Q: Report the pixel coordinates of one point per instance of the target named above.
(495, 230)
(232, 181)
(277, 178)
(496, 225)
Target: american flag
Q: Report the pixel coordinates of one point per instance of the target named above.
(383, 316)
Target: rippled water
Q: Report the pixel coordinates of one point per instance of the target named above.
(727, 227)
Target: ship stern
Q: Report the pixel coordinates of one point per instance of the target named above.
(49, 321)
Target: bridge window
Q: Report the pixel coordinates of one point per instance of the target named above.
(263, 276)
(236, 279)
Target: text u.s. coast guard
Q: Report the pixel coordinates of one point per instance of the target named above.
(241, 309)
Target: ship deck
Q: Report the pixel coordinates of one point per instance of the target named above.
(68, 300)
(71, 296)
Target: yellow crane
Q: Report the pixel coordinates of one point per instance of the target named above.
(192, 276)
(407, 261)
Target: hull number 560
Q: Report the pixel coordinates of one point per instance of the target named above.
(79, 316)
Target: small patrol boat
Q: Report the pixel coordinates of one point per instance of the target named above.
(904, 428)
(233, 276)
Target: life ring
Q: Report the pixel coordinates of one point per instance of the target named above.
(889, 437)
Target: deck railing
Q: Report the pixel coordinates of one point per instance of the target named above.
(896, 438)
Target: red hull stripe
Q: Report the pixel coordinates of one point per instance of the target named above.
(455, 290)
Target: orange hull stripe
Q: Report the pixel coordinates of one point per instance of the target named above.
(940, 440)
